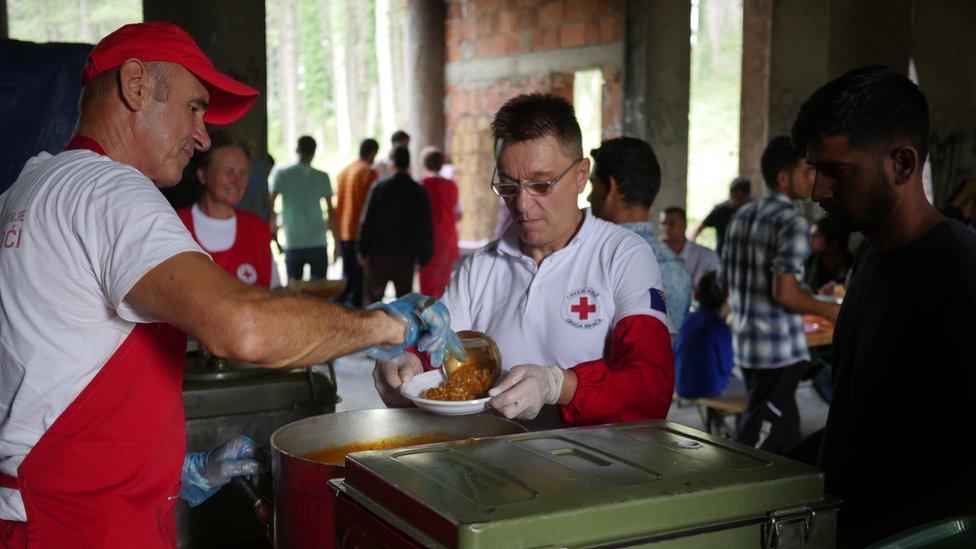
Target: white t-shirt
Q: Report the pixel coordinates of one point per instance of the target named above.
(87, 229)
(217, 235)
(561, 311)
(699, 260)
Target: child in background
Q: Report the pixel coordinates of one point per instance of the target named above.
(703, 349)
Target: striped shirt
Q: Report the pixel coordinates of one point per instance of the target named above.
(765, 238)
(353, 184)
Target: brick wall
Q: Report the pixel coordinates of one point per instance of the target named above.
(495, 51)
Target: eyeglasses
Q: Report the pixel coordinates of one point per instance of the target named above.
(509, 188)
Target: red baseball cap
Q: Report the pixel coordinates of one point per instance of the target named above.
(160, 41)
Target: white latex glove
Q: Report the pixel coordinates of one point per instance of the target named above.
(525, 389)
(389, 376)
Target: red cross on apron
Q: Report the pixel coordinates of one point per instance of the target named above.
(107, 471)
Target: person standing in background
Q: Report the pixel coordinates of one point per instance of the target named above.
(767, 243)
(302, 187)
(257, 196)
(353, 183)
(697, 258)
(385, 168)
(445, 212)
(625, 180)
(396, 233)
(739, 194)
(239, 242)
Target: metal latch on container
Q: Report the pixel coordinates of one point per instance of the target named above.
(788, 528)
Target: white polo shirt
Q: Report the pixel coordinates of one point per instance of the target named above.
(81, 230)
(561, 311)
(699, 260)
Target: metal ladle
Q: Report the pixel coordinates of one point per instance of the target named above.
(474, 341)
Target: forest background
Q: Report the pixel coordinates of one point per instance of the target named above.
(335, 71)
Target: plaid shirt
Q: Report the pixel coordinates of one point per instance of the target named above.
(765, 238)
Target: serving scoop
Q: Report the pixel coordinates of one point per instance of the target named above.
(482, 353)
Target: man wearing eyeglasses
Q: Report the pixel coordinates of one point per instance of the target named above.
(574, 302)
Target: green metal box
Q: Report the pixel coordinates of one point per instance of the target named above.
(634, 484)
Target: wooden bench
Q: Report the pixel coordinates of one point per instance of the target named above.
(713, 411)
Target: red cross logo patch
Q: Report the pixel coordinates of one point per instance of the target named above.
(246, 273)
(583, 308)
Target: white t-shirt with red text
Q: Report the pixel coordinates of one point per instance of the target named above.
(78, 231)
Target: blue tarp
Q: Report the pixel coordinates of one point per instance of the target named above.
(38, 100)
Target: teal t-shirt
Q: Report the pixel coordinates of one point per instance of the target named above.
(301, 186)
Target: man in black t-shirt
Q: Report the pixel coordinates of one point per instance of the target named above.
(739, 194)
(898, 446)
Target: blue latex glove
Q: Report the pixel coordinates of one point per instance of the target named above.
(205, 472)
(432, 336)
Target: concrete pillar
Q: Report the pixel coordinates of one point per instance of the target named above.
(757, 28)
(425, 77)
(4, 25)
(869, 32)
(232, 34)
(944, 44)
(792, 47)
(798, 58)
(657, 68)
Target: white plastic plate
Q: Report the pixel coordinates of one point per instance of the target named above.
(433, 378)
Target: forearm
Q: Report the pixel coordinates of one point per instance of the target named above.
(296, 330)
(788, 293)
(242, 322)
(802, 302)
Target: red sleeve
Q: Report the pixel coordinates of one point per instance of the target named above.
(635, 380)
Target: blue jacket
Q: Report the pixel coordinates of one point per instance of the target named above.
(702, 355)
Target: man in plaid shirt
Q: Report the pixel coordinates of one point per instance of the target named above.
(766, 245)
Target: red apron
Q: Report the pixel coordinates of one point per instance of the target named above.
(249, 259)
(436, 274)
(107, 472)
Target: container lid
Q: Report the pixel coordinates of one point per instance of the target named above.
(577, 486)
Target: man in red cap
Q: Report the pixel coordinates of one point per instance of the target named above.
(97, 272)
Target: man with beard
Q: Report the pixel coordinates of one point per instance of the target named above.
(904, 351)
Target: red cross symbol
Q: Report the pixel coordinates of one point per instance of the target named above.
(583, 308)
(247, 274)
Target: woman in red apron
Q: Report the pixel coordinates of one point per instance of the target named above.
(444, 214)
(239, 242)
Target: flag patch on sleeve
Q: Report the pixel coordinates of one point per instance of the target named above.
(658, 301)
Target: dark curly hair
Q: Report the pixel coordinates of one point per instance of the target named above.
(633, 164)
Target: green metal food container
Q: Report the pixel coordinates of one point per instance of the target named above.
(625, 485)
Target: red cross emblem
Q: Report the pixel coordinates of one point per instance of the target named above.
(246, 273)
(583, 308)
